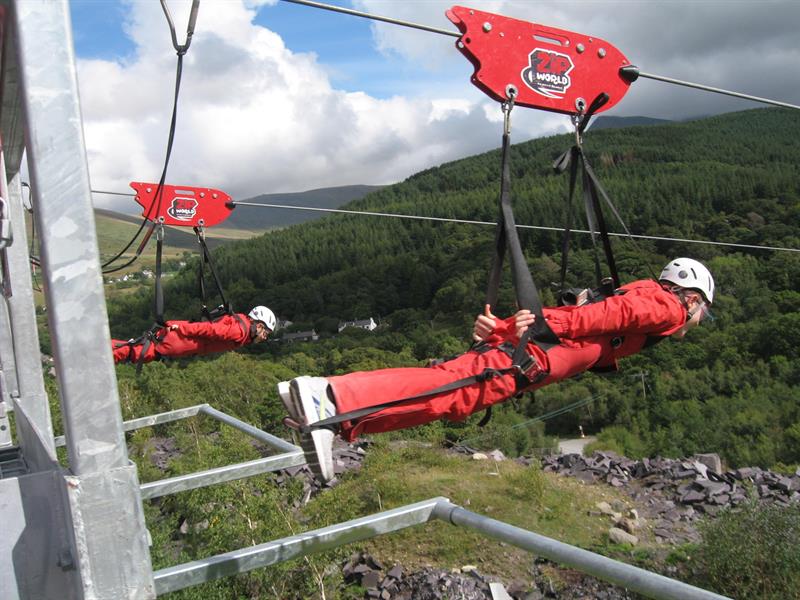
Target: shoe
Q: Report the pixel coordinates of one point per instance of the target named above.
(285, 394)
(311, 403)
(286, 397)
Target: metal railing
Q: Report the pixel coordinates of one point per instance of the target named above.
(633, 578)
(291, 455)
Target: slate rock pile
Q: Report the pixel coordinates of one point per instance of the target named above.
(467, 583)
(425, 584)
(698, 482)
(346, 457)
(161, 451)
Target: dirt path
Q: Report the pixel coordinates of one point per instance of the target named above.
(574, 446)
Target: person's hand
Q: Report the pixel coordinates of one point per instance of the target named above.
(522, 320)
(484, 325)
(173, 327)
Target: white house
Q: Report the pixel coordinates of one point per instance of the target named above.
(368, 324)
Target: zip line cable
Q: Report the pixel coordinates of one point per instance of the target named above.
(489, 223)
(366, 15)
(552, 414)
(180, 49)
(629, 72)
(539, 227)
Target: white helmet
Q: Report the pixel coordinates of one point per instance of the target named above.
(688, 273)
(265, 315)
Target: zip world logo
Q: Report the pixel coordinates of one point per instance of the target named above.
(548, 73)
(182, 209)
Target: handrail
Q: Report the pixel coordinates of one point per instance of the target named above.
(633, 578)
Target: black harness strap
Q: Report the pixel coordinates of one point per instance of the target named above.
(158, 301)
(572, 159)
(523, 365)
(568, 159)
(486, 375)
(206, 260)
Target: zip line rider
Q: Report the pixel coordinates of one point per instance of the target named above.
(184, 338)
(592, 336)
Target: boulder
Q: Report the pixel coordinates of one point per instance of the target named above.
(619, 536)
(605, 508)
(711, 460)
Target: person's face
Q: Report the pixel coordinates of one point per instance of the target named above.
(262, 333)
(697, 308)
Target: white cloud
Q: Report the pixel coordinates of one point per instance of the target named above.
(744, 46)
(253, 117)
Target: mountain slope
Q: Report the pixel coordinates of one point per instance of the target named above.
(261, 219)
(605, 122)
(732, 386)
(731, 178)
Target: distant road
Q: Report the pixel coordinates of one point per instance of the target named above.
(574, 446)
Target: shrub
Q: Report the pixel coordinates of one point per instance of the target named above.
(752, 552)
(618, 439)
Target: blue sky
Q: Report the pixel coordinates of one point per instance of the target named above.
(342, 43)
(278, 97)
(97, 29)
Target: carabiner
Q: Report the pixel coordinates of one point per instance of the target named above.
(507, 106)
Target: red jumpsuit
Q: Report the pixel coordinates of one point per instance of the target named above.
(592, 336)
(189, 339)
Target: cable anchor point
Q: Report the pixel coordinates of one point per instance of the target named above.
(507, 106)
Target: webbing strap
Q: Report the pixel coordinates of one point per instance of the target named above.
(568, 159)
(158, 302)
(573, 159)
(363, 412)
(591, 220)
(592, 182)
(206, 260)
(149, 338)
(506, 237)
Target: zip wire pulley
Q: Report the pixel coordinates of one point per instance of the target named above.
(626, 71)
(182, 206)
(552, 69)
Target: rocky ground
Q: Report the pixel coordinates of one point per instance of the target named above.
(667, 498)
(672, 495)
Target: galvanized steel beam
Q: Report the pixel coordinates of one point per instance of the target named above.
(62, 206)
(35, 430)
(633, 578)
(150, 420)
(254, 432)
(310, 542)
(110, 550)
(200, 479)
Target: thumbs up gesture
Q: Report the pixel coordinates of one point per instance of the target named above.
(484, 325)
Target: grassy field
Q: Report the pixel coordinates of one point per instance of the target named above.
(392, 476)
(114, 231)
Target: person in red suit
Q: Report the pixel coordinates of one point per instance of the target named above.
(592, 336)
(183, 338)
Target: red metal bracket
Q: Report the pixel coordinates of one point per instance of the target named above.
(551, 69)
(183, 206)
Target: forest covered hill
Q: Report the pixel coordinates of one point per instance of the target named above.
(261, 219)
(733, 386)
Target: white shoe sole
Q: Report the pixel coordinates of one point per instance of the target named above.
(318, 445)
(284, 391)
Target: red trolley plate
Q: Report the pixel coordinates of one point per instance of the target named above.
(551, 69)
(183, 206)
